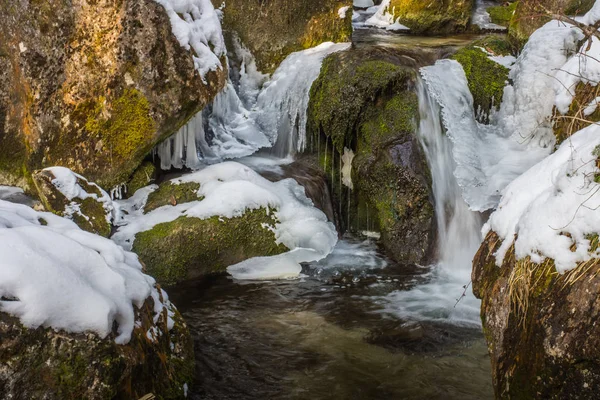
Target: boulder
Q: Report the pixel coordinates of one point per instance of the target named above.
(362, 122)
(541, 326)
(46, 364)
(92, 86)
(273, 29)
(433, 17)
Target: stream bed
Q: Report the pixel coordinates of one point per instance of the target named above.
(330, 335)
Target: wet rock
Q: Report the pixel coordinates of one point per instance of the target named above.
(91, 86)
(541, 327)
(365, 102)
(273, 29)
(46, 364)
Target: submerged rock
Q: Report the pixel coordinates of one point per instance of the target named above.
(541, 327)
(43, 363)
(92, 86)
(365, 103)
(272, 30)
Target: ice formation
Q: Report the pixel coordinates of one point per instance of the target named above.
(229, 189)
(235, 127)
(489, 157)
(481, 17)
(44, 282)
(197, 27)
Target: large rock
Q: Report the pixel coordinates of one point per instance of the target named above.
(46, 364)
(365, 104)
(433, 16)
(541, 327)
(273, 29)
(92, 86)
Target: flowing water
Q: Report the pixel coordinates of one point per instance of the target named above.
(356, 325)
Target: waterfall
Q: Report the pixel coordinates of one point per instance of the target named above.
(459, 233)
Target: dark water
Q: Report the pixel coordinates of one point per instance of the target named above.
(326, 336)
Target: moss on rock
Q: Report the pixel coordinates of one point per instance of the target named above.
(89, 213)
(433, 16)
(172, 194)
(143, 176)
(42, 363)
(189, 248)
(501, 15)
(365, 100)
(274, 29)
(486, 78)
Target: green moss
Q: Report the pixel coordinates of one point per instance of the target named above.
(190, 247)
(501, 15)
(486, 79)
(170, 193)
(433, 17)
(143, 176)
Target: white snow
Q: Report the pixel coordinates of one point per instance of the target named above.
(384, 19)
(592, 107)
(229, 190)
(584, 67)
(61, 277)
(66, 181)
(555, 199)
(489, 157)
(342, 12)
(197, 27)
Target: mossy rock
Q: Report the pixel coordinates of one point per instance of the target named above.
(433, 16)
(365, 100)
(143, 176)
(272, 30)
(540, 326)
(189, 248)
(501, 15)
(172, 194)
(42, 363)
(89, 213)
(486, 78)
(529, 16)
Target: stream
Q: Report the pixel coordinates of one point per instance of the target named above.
(355, 325)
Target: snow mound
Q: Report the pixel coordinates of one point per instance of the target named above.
(553, 206)
(229, 189)
(53, 274)
(197, 27)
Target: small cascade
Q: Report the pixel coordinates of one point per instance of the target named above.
(459, 233)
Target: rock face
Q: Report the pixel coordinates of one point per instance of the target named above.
(44, 364)
(273, 29)
(365, 104)
(433, 17)
(91, 86)
(541, 327)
